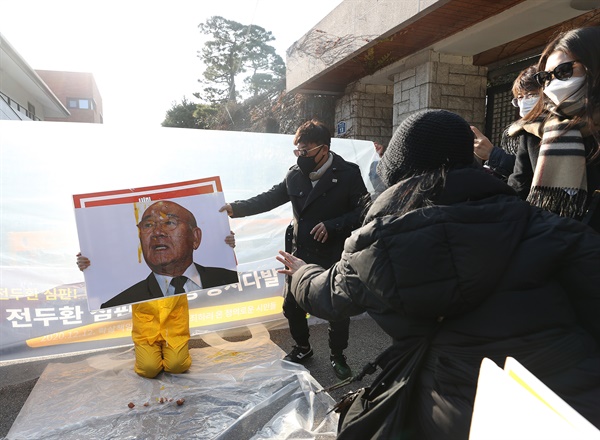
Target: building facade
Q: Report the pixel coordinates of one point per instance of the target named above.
(78, 92)
(45, 95)
(387, 59)
(24, 96)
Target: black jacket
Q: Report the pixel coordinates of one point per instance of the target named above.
(337, 200)
(149, 289)
(508, 279)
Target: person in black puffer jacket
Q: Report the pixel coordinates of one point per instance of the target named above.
(448, 242)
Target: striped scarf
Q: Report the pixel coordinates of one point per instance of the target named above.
(559, 181)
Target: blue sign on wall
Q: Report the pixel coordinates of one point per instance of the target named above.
(341, 127)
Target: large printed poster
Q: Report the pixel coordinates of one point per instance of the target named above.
(138, 239)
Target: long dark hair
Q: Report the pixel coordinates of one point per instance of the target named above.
(584, 45)
(407, 195)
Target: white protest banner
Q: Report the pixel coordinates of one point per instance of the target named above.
(43, 300)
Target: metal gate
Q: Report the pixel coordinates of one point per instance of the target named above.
(499, 113)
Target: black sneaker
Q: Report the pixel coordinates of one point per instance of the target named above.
(340, 367)
(299, 354)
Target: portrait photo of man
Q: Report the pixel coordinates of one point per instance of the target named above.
(169, 235)
(153, 242)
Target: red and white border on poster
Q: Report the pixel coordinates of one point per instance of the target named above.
(207, 185)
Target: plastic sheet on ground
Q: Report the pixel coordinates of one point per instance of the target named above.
(240, 390)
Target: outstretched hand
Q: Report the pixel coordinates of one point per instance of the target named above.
(291, 263)
(227, 208)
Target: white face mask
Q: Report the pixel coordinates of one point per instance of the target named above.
(559, 91)
(526, 104)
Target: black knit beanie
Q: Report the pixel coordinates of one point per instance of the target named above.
(426, 141)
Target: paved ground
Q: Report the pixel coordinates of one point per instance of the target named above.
(367, 340)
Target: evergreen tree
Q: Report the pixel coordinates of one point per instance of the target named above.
(238, 54)
(233, 50)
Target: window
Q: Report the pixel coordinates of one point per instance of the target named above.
(31, 110)
(80, 103)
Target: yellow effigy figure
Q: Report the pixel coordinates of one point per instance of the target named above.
(160, 333)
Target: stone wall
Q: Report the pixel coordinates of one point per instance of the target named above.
(436, 80)
(367, 111)
(427, 80)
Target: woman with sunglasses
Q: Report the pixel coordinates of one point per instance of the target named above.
(501, 160)
(561, 172)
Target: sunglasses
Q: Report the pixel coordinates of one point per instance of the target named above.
(561, 72)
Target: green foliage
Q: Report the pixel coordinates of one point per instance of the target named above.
(181, 115)
(191, 115)
(205, 115)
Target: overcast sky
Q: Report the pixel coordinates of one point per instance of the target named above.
(143, 54)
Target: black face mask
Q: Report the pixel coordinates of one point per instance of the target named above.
(306, 164)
